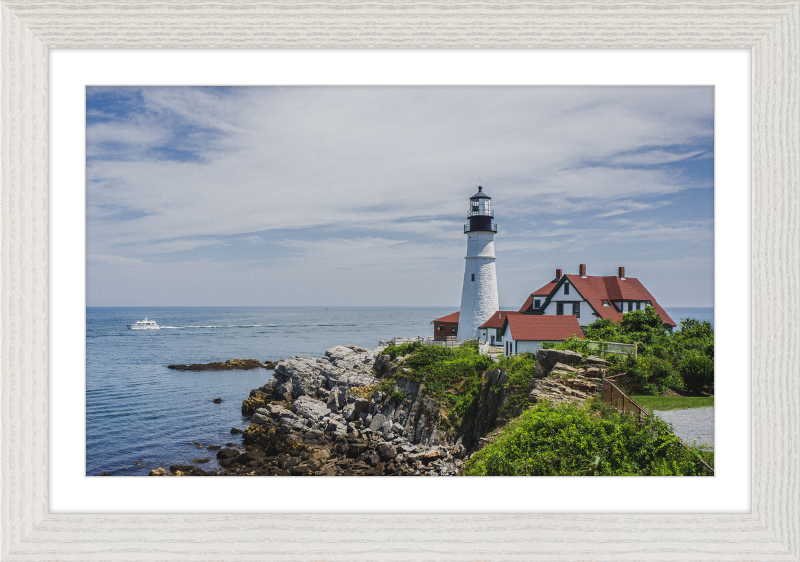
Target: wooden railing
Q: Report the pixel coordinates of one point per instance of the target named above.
(612, 347)
(623, 403)
(449, 342)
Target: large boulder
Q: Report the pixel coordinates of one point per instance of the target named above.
(546, 360)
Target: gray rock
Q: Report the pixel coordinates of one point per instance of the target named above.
(350, 413)
(310, 408)
(595, 361)
(386, 451)
(397, 428)
(361, 405)
(547, 358)
(336, 399)
(377, 422)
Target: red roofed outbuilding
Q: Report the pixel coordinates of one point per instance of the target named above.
(527, 332)
(446, 327)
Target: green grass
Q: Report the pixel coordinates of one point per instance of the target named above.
(651, 403)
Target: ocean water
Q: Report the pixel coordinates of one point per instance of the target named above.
(678, 313)
(141, 415)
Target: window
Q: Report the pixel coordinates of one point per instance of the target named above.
(454, 329)
(441, 328)
(576, 309)
(637, 305)
(566, 288)
(560, 309)
(537, 303)
(630, 306)
(605, 303)
(473, 277)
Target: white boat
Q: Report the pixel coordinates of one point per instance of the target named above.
(144, 325)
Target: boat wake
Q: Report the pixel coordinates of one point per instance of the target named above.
(230, 326)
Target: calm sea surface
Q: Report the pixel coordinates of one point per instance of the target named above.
(141, 415)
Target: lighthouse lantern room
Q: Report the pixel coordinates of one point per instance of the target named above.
(479, 293)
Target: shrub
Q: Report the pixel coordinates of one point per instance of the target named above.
(566, 440)
(401, 350)
(660, 373)
(698, 373)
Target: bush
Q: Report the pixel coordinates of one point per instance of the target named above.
(401, 350)
(660, 373)
(698, 373)
(569, 441)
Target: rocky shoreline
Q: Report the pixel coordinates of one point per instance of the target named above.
(325, 417)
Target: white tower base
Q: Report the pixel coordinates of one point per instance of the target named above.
(479, 294)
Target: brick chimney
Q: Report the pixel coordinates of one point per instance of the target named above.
(558, 274)
(582, 269)
(621, 272)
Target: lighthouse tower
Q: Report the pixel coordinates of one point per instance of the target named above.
(479, 294)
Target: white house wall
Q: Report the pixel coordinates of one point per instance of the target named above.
(587, 314)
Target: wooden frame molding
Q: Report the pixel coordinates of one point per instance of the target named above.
(771, 28)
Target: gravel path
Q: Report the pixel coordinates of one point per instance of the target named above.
(693, 423)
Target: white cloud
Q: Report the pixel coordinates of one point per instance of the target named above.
(375, 162)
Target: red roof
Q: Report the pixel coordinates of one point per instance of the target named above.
(536, 327)
(497, 319)
(543, 292)
(599, 289)
(449, 318)
(596, 290)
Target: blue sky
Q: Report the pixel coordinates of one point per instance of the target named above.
(345, 196)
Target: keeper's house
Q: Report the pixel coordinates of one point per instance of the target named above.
(589, 298)
(526, 332)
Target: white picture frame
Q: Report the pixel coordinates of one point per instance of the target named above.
(771, 29)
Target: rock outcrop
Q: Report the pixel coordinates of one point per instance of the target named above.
(229, 365)
(568, 376)
(327, 416)
(547, 359)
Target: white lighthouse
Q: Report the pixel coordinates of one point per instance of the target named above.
(479, 294)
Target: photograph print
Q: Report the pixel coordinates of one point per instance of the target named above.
(400, 281)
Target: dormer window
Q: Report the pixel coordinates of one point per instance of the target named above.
(606, 303)
(537, 303)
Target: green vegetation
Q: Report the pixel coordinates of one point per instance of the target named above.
(698, 373)
(665, 357)
(452, 377)
(520, 371)
(593, 440)
(651, 403)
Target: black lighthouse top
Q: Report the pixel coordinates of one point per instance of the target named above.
(480, 213)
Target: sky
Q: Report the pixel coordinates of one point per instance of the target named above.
(357, 196)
